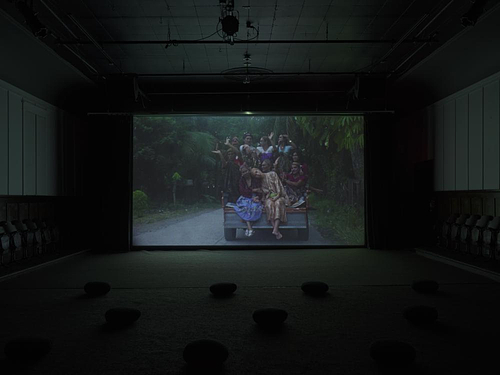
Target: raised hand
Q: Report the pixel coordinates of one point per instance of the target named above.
(271, 135)
(227, 141)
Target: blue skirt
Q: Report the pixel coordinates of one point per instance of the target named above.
(247, 209)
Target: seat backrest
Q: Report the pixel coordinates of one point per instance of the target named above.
(462, 219)
(494, 224)
(452, 218)
(20, 227)
(9, 228)
(472, 220)
(39, 223)
(483, 221)
(30, 224)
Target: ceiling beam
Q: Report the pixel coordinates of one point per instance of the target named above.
(177, 42)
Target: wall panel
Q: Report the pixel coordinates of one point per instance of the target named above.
(491, 149)
(462, 143)
(437, 119)
(41, 155)
(29, 145)
(449, 142)
(29, 153)
(476, 140)
(52, 176)
(15, 144)
(4, 141)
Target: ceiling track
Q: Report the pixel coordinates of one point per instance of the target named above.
(177, 42)
(247, 92)
(160, 75)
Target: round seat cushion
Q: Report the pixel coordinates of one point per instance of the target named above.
(270, 318)
(314, 288)
(205, 353)
(96, 288)
(122, 316)
(223, 289)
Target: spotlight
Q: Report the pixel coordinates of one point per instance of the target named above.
(229, 21)
(30, 18)
(470, 18)
(230, 25)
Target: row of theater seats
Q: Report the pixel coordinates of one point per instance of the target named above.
(27, 238)
(472, 234)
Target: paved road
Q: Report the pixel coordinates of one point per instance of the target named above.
(207, 229)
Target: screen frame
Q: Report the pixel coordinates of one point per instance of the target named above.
(300, 246)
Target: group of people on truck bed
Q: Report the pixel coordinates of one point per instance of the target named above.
(268, 176)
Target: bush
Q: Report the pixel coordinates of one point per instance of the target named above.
(140, 202)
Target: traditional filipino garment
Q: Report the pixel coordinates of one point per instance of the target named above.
(265, 154)
(272, 188)
(295, 193)
(245, 207)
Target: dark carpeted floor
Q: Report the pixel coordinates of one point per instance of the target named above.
(329, 335)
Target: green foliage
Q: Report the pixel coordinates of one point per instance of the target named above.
(176, 177)
(139, 202)
(334, 146)
(341, 224)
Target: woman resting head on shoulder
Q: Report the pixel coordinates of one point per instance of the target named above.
(274, 197)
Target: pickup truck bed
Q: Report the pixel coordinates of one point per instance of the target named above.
(297, 218)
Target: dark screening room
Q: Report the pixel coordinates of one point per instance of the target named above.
(249, 187)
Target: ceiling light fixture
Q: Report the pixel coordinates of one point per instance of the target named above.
(243, 74)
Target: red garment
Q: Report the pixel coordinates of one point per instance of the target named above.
(245, 190)
(238, 161)
(291, 177)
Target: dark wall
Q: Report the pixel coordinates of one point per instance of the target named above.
(109, 179)
(28, 64)
(466, 59)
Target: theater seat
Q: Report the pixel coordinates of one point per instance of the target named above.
(37, 236)
(26, 238)
(15, 240)
(465, 233)
(46, 237)
(444, 239)
(455, 231)
(490, 234)
(4, 244)
(476, 237)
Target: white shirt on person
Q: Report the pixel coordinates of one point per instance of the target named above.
(268, 151)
